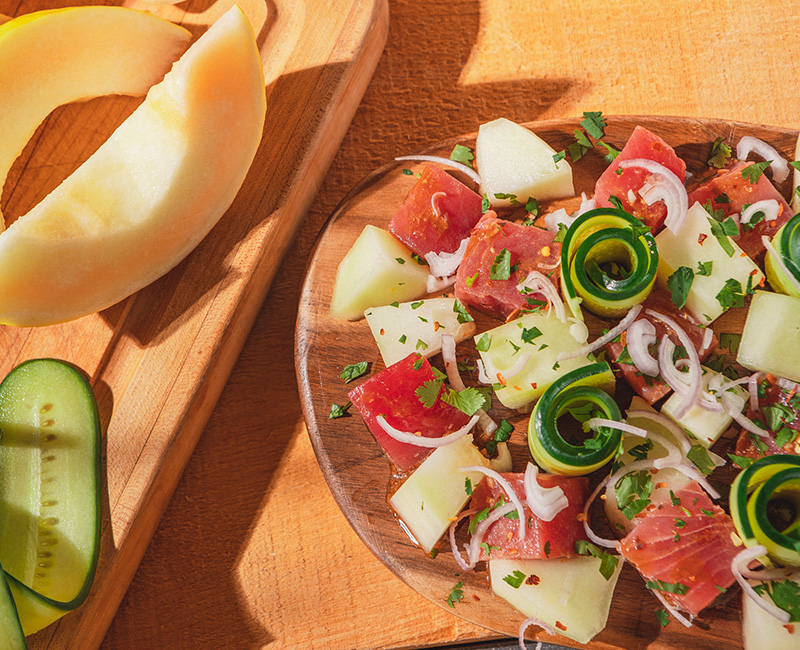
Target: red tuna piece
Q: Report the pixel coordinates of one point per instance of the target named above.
(437, 215)
(529, 249)
(728, 192)
(625, 183)
(392, 393)
(685, 546)
(652, 389)
(543, 539)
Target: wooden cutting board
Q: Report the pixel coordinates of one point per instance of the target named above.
(159, 360)
(352, 463)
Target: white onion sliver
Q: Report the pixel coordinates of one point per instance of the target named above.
(586, 205)
(752, 387)
(578, 329)
(454, 377)
(474, 548)
(544, 503)
(735, 411)
(537, 282)
(745, 557)
(596, 423)
(769, 207)
(671, 608)
(489, 374)
(601, 341)
(453, 546)
(526, 624)
(695, 373)
(748, 144)
(556, 217)
(447, 162)
(606, 485)
(779, 261)
(641, 334)
(787, 384)
(422, 441)
(708, 337)
(677, 432)
(436, 284)
(444, 264)
(671, 190)
(512, 496)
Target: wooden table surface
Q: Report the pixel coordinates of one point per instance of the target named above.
(252, 551)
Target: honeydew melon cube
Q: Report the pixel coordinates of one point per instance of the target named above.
(706, 426)
(436, 492)
(514, 161)
(571, 596)
(771, 336)
(377, 270)
(695, 245)
(762, 631)
(506, 344)
(415, 326)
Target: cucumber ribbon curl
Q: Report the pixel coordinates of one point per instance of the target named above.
(786, 244)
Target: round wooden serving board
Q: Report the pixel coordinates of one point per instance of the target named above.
(354, 467)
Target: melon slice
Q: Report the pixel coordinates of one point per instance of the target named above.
(149, 194)
(75, 54)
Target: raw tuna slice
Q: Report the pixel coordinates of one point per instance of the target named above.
(437, 215)
(392, 393)
(684, 548)
(626, 184)
(543, 539)
(525, 249)
(648, 388)
(729, 192)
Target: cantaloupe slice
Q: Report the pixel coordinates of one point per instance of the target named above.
(149, 194)
(50, 58)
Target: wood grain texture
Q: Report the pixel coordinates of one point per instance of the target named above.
(159, 360)
(351, 461)
(253, 552)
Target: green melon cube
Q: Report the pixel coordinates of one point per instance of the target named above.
(696, 245)
(377, 270)
(771, 337)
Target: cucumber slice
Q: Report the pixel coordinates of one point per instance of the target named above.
(10, 628)
(50, 487)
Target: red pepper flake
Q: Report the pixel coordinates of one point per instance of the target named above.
(436, 326)
(773, 223)
(532, 579)
(753, 272)
(561, 626)
(533, 385)
(761, 282)
(702, 238)
(581, 517)
(517, 387)
(382, 332)
(500, 379)
(662, 484)
(771, 378)
(742, 254)
(476, 597)
(789, 628)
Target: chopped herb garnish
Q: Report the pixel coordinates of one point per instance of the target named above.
(501, 434)
(515, 579)
(456, 595)
(485, 205)
(753, 172)
(731, 295)
(608, 562)
(418, 304)
(529, 334)
(720, 153)
(471, 280)
(701, 459)
(704, 268)
(558, 157)
(468, 401)
(594, 124)
(722, 231)
(354, 371)
(462, 154)
(501, 268)
(663, 617)
(679, 284)
(484, 343)
(547, 549)
(338, 411)
(429, 392)
(463, 315)
(729, 341)
(668, 587)
(611, 152)
(633, 493)
(421, 345)
(532, 206)
(615, 201)
(742, 461)
(468, 486)
(562, 232)
(403, 338)
(408, 172)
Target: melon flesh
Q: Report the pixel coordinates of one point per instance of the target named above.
(50, 58)
(149, 194)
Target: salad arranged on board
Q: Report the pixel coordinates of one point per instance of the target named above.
(659, 255)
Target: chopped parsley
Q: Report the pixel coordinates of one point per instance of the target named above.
(462, 154)
(558, 157)
(456, 595)
(704, 268)
(721, 231)
(608, 562)
(633, 493)
(663, 617)
(354, 371)
(532, 207)
(720, 154)
(338, 411)
(485, 205)
(529, 334)
(463, 315)
(679, 284)
(729, 341)
(731, 295)
(468, 486)
(668, 587)
(515, 579)
(501, 434)
(701, 459)
(742, 461)
(484, 343)
(501, 268)
(753, 172)
(615, 201)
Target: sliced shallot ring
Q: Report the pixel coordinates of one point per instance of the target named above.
(776, 256)
(787, 384)
(752, 387)
(641, 334)
(601, 341)
(526, 624)
(593, 537)
(769, 207)
(677, 432)
(745, 557)
(545, 503)
(678, 203)
(453, 545)
(537, 282)
(512, 496)
(553, 219)
(447, 162)
(422, 441)
(444, 264)
(695, 373)
(436, 284)
(730, 408)
(474, 549)
(708, 337)
(748, 144)
(434, 198)
(487, 371)
(596, 423)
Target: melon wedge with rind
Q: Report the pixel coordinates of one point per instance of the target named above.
(149, 194)
(58, 56)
